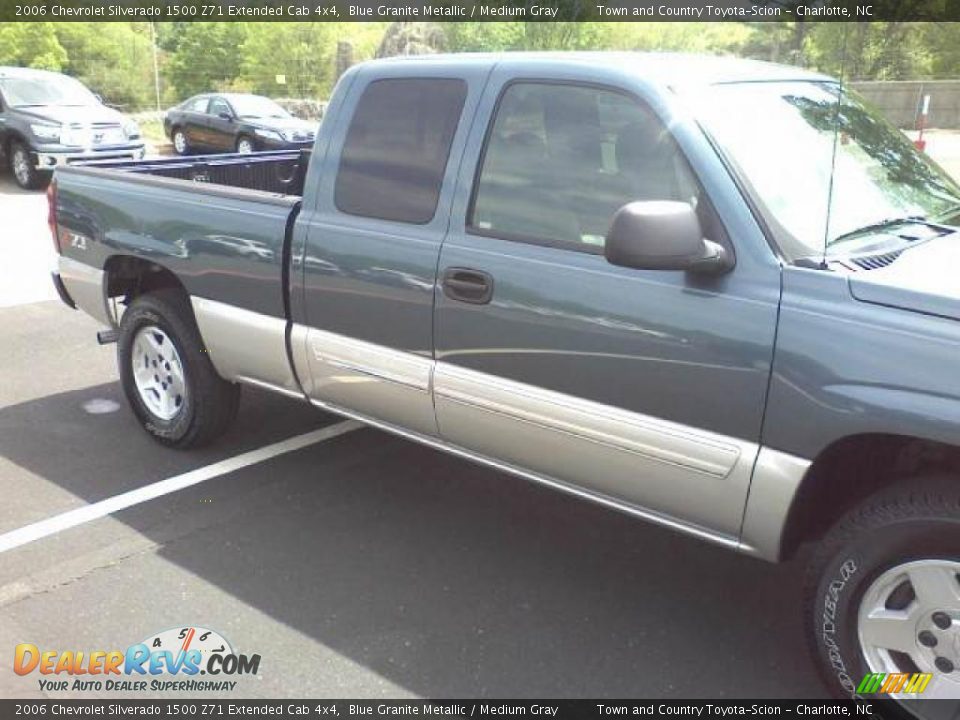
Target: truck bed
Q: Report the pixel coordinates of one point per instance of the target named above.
(219, 223)
(281, 171)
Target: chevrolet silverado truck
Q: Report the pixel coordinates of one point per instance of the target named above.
(715, 294)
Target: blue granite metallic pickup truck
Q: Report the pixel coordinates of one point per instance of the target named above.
(719, 295)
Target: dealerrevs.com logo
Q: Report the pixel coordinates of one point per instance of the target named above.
(167, 661)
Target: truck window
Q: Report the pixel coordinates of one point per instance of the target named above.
(560, 160)
(396, 149)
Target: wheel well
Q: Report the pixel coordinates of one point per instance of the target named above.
(852, 469)
(129, 277)
(10, 139)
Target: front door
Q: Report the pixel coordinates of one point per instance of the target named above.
(644, 387)
(373, 239)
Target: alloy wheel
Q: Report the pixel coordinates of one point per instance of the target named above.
(909, 622)
(158, 372)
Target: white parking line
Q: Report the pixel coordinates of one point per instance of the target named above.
(97, 510)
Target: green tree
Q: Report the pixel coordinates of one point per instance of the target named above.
(207, 57)
(677, 36)
(499, 36)
(942, 41)
(112, 59)
(411, 38)
(870, 50)
(301, 52)
(31, 44)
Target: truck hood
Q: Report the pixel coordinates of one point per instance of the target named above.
(83, 114)
(922, 279)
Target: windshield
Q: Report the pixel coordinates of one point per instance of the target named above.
(254, 106)
(780, 136)
(46, 90)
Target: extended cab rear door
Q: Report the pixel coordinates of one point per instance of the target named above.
(373, 225)
(645, 387)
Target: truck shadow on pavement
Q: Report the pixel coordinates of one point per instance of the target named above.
(444, 578)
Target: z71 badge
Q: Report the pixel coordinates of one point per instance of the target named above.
(76, 240)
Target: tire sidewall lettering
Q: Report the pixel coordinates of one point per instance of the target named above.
(832, 600)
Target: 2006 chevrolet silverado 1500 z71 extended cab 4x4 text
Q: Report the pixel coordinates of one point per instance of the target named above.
(612, 274)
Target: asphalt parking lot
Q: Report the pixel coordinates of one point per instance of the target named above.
(358, 566)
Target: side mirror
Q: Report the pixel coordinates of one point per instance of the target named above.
(225, 116)
(99, 98)
(663, 235)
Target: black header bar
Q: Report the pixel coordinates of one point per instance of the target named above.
(482, 10)
(188, 709)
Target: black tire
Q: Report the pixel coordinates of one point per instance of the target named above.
(184, 149)
(25, 174)
(210, 403)
(911, 521)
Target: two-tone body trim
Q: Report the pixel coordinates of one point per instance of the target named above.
(642, 465)
(640, 460)
(245, 346)
(776, 479)
(85, 284)
(378, 381)
(651, 438)
(339, 352)
(729, 542)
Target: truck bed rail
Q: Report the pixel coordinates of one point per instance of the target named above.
(281, 171)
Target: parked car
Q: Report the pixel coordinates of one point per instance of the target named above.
(600, 273)
(232, 122)
(48, 119)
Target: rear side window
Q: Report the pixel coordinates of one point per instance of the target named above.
(397, 147)
(197, 105)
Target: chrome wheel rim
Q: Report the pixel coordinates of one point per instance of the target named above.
(245, 147)
(21, 166)
(909, 621)
(158, 373)
(179, 142)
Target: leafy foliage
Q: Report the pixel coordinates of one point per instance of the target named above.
(284, 59)
(31, 45)
(207, 57)
(112, 59)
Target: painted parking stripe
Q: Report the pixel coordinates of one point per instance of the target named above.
(97, 510)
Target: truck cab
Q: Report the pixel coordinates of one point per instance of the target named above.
(584, 270)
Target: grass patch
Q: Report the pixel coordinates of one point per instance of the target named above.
(152, 131)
